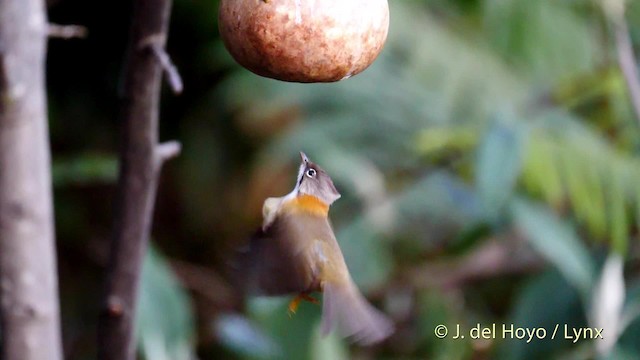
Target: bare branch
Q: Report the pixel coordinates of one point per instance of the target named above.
(173, 76)
(66, 31)
(492, 258)
(141, 159)
(156, 44)
(626, 59)
(29, 311)
(168, 150)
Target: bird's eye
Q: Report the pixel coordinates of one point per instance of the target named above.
(311, 173)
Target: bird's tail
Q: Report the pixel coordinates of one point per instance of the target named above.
(347, 310)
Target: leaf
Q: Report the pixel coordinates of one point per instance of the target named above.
(437, 140)
(498, 165)
(292, 334)
(329, 347)
(618, 214)
(632, 306)
(164, 320)
(435, 308)
(631, 322)
(242, 336)
(438, 205)
(557, 242)
(366, 254)
(540, 173)
(533, 308)
(83, 169)
(598, 180)
(547, 38)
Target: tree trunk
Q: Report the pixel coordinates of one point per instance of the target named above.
(29, 311)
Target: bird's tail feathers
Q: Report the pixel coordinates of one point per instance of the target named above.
(347, 310)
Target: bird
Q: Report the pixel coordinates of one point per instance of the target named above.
(295, 251)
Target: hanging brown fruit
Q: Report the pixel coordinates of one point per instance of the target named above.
(304, 40)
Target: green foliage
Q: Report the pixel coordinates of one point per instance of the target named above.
(577, 169)
(482, 120)
(434, 310)
(628, 342)
(557, 242)
(245, 338)
(293, 334)
(498, 166)
(535, 308)
(546, 39)
(85, 169)
(164, 322)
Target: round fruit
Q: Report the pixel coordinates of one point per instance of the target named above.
(304, 40)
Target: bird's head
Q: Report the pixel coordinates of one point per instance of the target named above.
(314, 181)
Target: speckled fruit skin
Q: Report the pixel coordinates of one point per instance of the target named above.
(304, 40)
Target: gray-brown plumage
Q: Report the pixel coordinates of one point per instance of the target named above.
(296, 251)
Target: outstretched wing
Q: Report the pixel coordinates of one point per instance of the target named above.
(275, 261)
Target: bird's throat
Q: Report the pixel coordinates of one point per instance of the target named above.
(307, 204)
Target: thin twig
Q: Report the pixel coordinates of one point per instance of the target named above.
(492, 258)
(173, 76)
(627, 61)
(66, 31)
(156, 44)
(168, 150)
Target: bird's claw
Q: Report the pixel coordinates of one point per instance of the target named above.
(295, 303)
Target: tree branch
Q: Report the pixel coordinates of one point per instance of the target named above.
(29, 311)
(141, 159)
(66, 31)
(168, 150)
(492, 258)
(626, 58)
(173, 76)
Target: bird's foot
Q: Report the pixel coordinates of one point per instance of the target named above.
(295, 303)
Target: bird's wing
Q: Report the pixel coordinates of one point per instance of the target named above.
(277, 260)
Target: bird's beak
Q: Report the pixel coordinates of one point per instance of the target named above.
(303, 165)
(304, 157)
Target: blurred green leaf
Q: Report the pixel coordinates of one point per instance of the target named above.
(292, 334)
(245, 338)
(557, 242)
(568, 165)
(540, 174)
(622, 353)
(438, 205)
(164, 321)
(436, 140)
(549, 39)
(619, 221)
(632, 305)
(631, 331)
(329, 347)
(535, 308)
(434, 310)
(85, 169)
(367, 256)
(498, 164)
